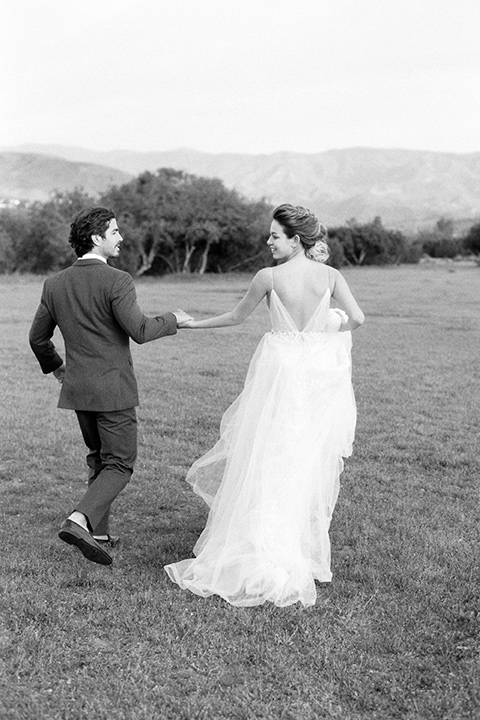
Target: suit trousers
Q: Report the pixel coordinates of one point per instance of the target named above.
(111, 438)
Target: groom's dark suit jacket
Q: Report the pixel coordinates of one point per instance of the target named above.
(96, 309)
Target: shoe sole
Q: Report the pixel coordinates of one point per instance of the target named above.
(96, 555)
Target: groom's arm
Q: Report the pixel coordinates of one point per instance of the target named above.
(41, 331)
(138, 326)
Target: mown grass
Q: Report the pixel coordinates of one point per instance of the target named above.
(396, 633)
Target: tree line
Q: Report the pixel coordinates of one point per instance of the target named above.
(175, 222)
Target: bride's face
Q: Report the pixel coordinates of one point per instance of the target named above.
(281, 246)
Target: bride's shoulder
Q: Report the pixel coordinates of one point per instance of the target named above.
(332, 272)
(327, 276)
(263, 277)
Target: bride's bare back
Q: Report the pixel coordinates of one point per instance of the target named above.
(301, 283)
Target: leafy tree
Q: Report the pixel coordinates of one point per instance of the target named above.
(176, 222)
(370, 243)
(148, 209)
(471, 241)
(201, 223)
(440, 241)
(14, 226)
(337, 255)
(7, 253)
(68, 204)
(34, 238)
(245, 232)
(413, 251)
(44, 246)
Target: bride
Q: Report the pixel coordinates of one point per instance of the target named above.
(272, 479)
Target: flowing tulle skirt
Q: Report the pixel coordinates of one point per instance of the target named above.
(272, 479)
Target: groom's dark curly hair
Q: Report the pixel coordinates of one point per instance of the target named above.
(88, 222)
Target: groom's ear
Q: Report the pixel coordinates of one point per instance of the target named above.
(96, 239)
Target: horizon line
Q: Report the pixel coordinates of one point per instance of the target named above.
(185, 149)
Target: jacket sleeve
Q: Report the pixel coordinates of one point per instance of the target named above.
(138, 326)
(42, 329)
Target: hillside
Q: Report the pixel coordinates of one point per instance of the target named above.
(28, 176)
(408, 189)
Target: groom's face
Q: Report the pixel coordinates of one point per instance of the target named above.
(109, 244)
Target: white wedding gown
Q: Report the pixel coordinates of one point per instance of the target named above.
(272, 479)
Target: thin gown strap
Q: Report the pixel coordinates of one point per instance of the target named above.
(272, 277)
(329, 276)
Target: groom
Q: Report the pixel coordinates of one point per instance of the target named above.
(95, 307)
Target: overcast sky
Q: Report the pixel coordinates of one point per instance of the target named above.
(248, 76)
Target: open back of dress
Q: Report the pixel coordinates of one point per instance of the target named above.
(272, 479)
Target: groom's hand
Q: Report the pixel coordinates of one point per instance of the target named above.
(60, 373)
(182, 317)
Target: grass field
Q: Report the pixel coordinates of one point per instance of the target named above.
(395, 635)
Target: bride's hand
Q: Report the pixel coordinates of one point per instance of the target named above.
(336, 319)
(187, 324)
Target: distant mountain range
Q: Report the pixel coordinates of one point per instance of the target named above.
(33, 176)
(408, 189)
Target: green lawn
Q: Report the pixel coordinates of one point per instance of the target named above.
(395, 635)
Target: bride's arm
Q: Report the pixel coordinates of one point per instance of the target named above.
(343, 295)
(259, 287)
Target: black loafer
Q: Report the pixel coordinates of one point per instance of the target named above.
(74, 534)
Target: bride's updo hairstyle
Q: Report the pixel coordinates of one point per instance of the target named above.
(297, 220)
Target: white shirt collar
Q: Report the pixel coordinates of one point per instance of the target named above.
(92, 256)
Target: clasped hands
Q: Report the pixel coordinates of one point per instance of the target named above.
(182, 318)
